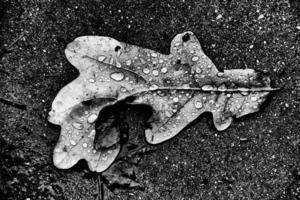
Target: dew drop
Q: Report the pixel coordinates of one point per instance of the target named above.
(91, 80)
(222, 88)
(117, 76)
(253, 98)
(77, 125)
(175, 99)
(101, 58)
(195, 58)
(118, 65)
(92, 134)
(92, 118)
(164, 70)
(228, 95)
(198, 105)
(160, 61)
(84, 145)
(153, 87)
(111, 60)
(220, 74)
(128, 62)
(155, 72)
(146, 71)
(72, 142)
(198, 70)
(207, 87)
(123, 89)
(154, 55)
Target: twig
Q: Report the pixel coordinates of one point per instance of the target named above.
(14, 104)
(100, 188)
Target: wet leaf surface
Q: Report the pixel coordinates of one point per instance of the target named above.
(179, 87)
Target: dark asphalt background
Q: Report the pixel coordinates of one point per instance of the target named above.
(256, 158)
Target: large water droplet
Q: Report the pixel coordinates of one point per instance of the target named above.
(91, 80)
(222, 88)
(92, 118)
(118, 65)
(153, 87)
(175, 99)
(164, 70)
(117, 76)
(101, 58)
(220, 74)
(198, 70)
(84, 145)
(72, 142)
(123, 89)
(207, 87)
(155, 72)
(198, 105)
(154, 54)
(77, 125)
(128, 62)
(195, 58)
(146, 71)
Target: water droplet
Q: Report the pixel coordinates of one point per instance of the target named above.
(72, 142)
(175, 99)
(128, 62)
(101, 58)
(92, 118)
(146, 71)
(186, 86)
(117, 76)
(84, 145)
(222, 88)
(207, 87)
(155, 72)
(153, 87)
(198, 105)
(111, 60)
(92, 134)
(220, 74)
(91, 80)
(94, 151)
(154, 55)
(77, 125)
(154, 62)
(195, 58)
(160, 61)
(228, 95)
(198, 70)
(164, 70)
(192, 51)
(123, 89)
(254, 98)
(118, 65)
(176, 44)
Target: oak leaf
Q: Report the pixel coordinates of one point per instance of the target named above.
(179, 87)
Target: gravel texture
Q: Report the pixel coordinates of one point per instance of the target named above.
(258, 157)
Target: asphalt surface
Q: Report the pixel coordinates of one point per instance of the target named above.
(257, 157)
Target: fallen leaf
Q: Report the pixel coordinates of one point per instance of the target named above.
(179, 87)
